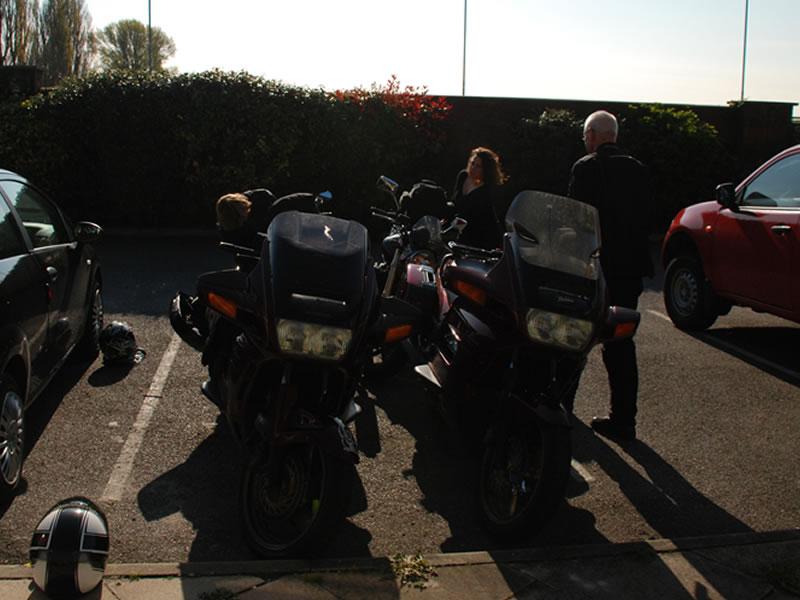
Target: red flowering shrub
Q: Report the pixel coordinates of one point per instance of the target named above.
(411, 102)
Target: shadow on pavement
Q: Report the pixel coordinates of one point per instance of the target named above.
(771, 349)
(204, 490)
(39, 414)
(445, 468)
(671, 505)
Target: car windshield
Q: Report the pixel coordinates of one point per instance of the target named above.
(778, 186)
(556, 232)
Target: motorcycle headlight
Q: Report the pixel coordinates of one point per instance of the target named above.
(559, 330)
(309, 339)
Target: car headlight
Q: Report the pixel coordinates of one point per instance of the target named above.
(559, 330)
(309, 339)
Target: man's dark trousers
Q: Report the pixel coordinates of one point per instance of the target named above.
(619, 357)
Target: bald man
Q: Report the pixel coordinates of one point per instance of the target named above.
(617, 185)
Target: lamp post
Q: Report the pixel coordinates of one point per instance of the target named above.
(464, 59)
(744, 45)
(149, 38)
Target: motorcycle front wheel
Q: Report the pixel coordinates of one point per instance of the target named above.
(523, 476)
(288, 513)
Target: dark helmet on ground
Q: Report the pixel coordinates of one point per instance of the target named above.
(118, 344)
(69, 548)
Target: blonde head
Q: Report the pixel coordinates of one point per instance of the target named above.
(232, 211)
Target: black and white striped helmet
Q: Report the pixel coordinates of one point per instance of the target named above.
(69, 548)
(118, 344)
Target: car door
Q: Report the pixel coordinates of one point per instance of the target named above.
(52, 243)
(24, 301)
(757, 245)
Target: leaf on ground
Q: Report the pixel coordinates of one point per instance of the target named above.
(412, 569)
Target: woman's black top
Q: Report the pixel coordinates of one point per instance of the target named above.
(483, 227)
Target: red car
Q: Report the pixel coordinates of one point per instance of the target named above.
(743, 249)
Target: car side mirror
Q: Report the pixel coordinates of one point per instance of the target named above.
(726, 195)
(86, 231)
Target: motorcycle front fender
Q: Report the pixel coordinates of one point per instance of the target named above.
(333, 438)
(516, 410)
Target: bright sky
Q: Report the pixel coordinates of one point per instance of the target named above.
(681, 51)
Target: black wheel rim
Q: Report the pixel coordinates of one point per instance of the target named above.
(684, 292)
(282, 511)
(12, 438)
(96, 317)
(511, 474)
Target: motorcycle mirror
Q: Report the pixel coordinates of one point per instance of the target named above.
(323, 201)
(387, 185)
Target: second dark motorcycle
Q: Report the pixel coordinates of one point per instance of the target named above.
(516, 328)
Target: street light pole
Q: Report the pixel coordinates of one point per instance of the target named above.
(464, 60)
(149, 38)
(744, 44)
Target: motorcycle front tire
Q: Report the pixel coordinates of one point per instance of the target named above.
(292, 515)
(523, 477)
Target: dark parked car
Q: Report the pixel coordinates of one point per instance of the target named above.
(50, 305)
(743, 249)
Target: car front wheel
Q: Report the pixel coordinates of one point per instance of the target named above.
(89, 344)
(685, 295)
(12, 438)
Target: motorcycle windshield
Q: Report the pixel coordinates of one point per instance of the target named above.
(427, 232)
(556, 233)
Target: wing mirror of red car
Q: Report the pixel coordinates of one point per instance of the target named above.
(726, 195)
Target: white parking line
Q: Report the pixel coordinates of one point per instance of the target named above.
(124, 465)
(578, 472)
(658, 314)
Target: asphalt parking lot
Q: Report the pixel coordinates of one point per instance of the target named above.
(717, 449)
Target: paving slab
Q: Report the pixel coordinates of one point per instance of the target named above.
(764, 566)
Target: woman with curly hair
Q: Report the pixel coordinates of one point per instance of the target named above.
(475, 199)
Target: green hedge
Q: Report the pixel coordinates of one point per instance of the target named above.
(684, 155)
(141, 150)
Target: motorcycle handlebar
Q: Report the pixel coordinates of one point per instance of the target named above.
(386, 215)
(464, 250)
(236, 249)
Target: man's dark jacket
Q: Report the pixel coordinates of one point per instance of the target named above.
(617, 185)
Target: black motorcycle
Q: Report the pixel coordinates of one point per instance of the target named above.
(516, 328)
(286, 336)
(411, 252)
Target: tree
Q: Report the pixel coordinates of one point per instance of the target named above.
(124, 45)
(17, 31)
(65, 45)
